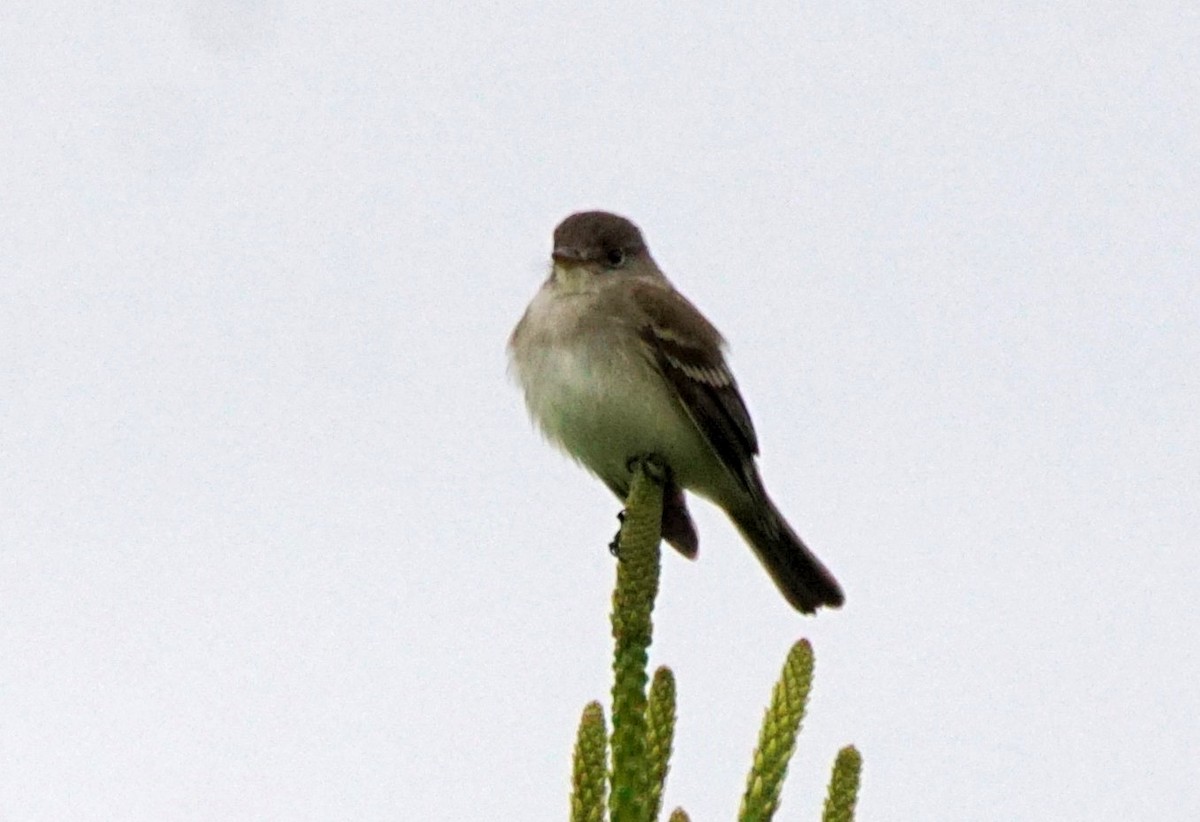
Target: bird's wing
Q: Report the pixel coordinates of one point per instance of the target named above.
(686, 348)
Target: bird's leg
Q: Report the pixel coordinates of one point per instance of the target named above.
(653, 465)
(656, 470)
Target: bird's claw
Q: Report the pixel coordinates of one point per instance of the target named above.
(614, 547)
(655, 468)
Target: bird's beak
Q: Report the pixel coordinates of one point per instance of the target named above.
(567, 256)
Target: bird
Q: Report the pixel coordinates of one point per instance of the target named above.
(616, 364)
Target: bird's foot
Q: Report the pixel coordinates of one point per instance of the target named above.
(614, 547)
(654, 466)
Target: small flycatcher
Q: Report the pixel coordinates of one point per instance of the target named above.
(617, 364)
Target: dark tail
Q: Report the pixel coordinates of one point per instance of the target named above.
(798, 574)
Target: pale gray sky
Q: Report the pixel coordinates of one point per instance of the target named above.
(278, 541)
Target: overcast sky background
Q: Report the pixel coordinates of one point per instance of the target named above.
(277, 540)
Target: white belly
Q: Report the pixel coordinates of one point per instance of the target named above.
(605, 404)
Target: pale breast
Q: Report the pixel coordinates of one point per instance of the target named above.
(598, 397)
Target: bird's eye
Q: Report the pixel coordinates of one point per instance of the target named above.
(615, 257)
